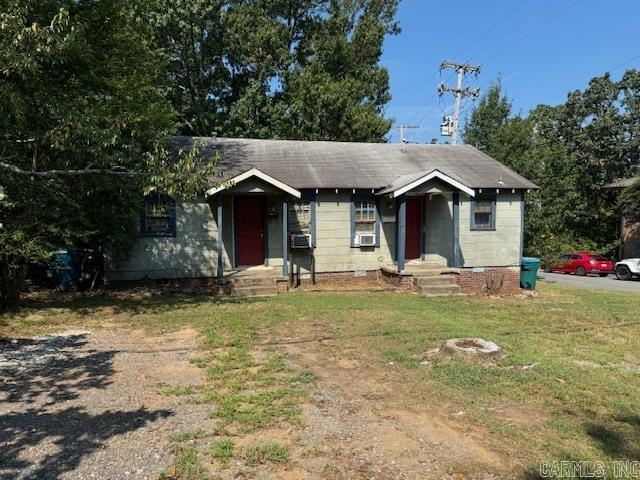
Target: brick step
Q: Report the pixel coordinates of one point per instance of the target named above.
(433, 280)
(439, 290)
(254, 291)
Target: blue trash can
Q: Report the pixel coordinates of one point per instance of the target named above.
(65, 266)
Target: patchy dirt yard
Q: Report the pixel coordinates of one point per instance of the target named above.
(361, 422)
(323, 385)
(90, 404)
(118, 403)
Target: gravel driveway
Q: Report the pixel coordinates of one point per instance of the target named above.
(82, 405)
(610, 283)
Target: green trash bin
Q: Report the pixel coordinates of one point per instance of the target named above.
(529, 272)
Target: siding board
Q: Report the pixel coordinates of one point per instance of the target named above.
(192, 253)
(499, 247)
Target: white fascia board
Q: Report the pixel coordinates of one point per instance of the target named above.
(254, 172)
(431, 175)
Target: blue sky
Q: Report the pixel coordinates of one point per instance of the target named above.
(542, 49)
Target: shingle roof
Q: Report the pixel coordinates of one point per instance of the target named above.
(317, 164)
(403, 180)
(408, 182)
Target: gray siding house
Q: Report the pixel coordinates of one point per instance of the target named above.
(336, 208)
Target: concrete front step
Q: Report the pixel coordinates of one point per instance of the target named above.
(438, 290)
(434, 280)
(432, 272)
(253, 291)
(247, 281)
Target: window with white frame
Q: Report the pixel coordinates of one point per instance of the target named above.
(364, 218)
(158, 217)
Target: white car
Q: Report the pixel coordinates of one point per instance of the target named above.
(628, 268)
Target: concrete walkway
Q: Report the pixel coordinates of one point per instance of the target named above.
(610, 283)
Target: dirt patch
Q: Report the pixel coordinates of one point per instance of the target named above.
(520, 417)
(90, 404)
(112, 404)
(362, 422)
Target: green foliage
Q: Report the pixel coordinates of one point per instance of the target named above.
(269, 452)
(103, 85)
(570, 151)
(483, 129)
(223, 450)
(187, 466)
(278, 69)
(630, 201)
(82, 85)
(178, 390)
(188, 435)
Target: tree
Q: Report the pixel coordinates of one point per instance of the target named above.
(191, 32)
(570, 151)
(630, 201)
(300, 69)
(83, 128)
(491, 113)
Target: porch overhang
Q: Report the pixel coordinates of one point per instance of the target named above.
(409, 182)
(254, 173)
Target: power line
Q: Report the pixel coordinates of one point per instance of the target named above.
(418, 90)
(426, 104)
(620, 65)
(481, 36)
(555, 17)
(512, 29)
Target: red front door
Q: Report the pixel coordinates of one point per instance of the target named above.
(249, 218)
(414, 228)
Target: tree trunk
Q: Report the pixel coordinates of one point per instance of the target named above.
(11, 283)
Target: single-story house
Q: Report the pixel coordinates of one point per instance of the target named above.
(337, 208)
(629, 226)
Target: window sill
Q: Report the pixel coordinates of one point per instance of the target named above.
(480, 229)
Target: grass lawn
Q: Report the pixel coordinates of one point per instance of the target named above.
(578, 400)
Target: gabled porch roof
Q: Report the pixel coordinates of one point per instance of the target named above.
(254, 173)
(406, 183)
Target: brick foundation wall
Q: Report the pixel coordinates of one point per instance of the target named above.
(342, 277)
(489, 280)
(198, 282)
(399, 281)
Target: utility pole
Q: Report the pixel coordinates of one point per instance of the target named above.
(402, 127)
(458, 91)
(403, 140)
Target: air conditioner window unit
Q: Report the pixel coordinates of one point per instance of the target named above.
(301, 240)
(367, 240)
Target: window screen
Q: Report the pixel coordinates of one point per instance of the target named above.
(483, 213)
(158, 217)
(300, 217)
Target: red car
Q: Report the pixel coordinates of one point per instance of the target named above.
(582, 263)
